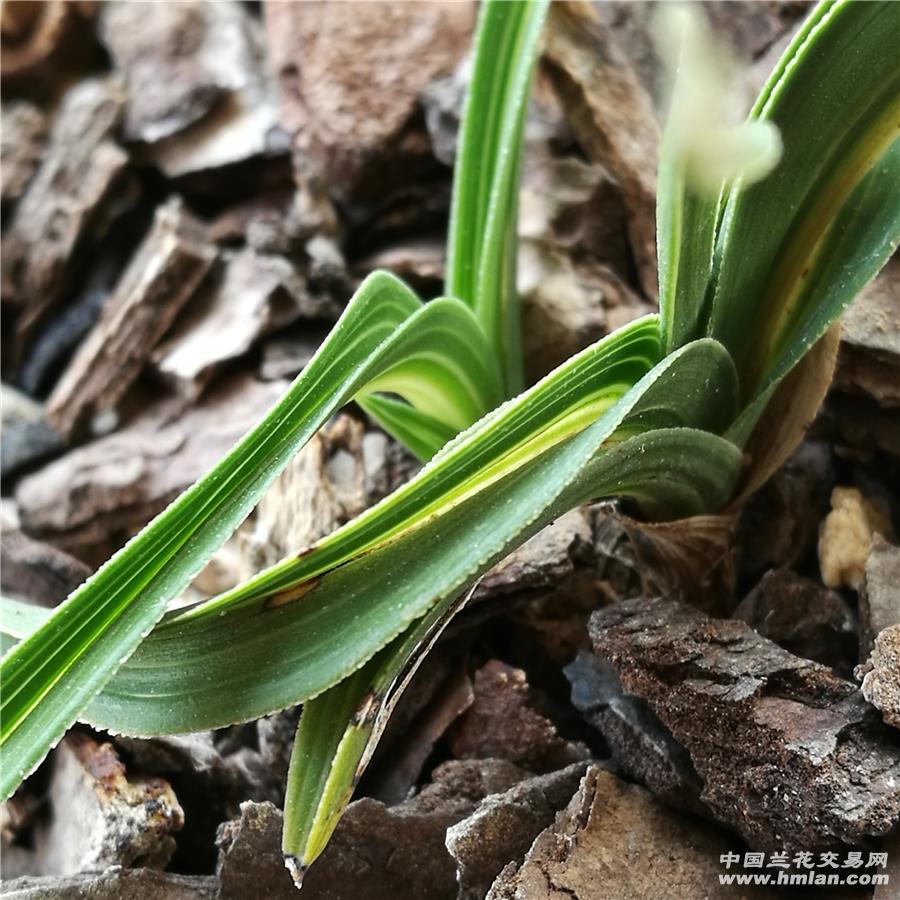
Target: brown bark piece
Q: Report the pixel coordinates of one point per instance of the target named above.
(351, 75)
(804, 617)
(39, 35)
(160, 279)
(505, 723)
(790, 755)
(254, 295)
(395, 853)
(250, 861)
(96, 496)
(81, 164)
(612, 116)
(545, 562)
(614, 840)
(115, 884)
(399, 852)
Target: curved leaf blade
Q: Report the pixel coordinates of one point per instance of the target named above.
(184, 677)
(49, 677)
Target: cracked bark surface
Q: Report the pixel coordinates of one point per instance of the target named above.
(790, 755)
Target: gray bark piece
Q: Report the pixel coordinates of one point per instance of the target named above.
(96, 496)
(881, 675)
(250, 861)
(504, 826)
(205, 50)
(255, 295)
(869, 358)
(612, 116)
(22, 136)
(81, 165)
(879, 601)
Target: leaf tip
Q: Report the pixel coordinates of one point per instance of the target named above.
(296, 869)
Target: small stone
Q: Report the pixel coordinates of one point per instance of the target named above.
(101, 816)
(27, 437)
(846, 537)
(642, 748)
(32, 570)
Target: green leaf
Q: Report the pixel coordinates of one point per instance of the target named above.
(440, 362)
(349, 591)
(481, 244)
(568, 399)
(833, 98)
(672, 469)
(215, 664)
(862, 239)
(685, 225)
(386, 336)
(338, 732)
(193, 670)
